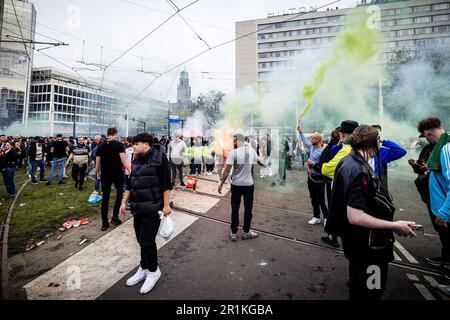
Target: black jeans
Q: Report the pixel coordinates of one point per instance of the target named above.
(444, 235)
(146, 227)
(175, 168)
(359, 280)
(106, 191)
(236, 193)
(79, 173)
(317, 195)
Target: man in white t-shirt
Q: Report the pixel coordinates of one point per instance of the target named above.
(241, 160)
(175, 152)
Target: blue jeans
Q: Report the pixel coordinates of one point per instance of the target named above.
(8, 178)
(57, 161)
(34, 165)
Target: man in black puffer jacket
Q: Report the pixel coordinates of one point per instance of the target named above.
(148, 191)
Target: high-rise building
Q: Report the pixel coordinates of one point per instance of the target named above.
(59, 100)
(184, 90)
(405, 24)
(17, 30)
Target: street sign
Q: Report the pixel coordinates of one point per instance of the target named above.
(174, 119)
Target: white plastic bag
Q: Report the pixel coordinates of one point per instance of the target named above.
(167, 226)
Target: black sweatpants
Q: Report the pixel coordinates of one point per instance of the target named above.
(444, 235)
(146, 227)
(107, 183)
(317, 195)
(361, 277)
(236, 193)
(79, 173)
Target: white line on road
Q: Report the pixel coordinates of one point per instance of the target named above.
(424, 291)
(397, 257)
(412, 277)
(405, 253)
(96, 268)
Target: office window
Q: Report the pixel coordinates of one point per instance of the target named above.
(422, 9)
(279, 25)
(407, 10)
(321, 20)
(441, 17)
(407, 32)
(386, 13)
(292, 23)
(441, 6)
(402, 22)
(426, 30)
(442, 29)
(423, 19)
(387, 23)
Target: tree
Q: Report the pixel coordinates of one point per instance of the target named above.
(210, 105)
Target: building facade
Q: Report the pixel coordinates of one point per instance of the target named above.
(413, 25)
(59, 100)
(17, 29)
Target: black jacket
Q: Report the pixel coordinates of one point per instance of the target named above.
(354, 172)
(8, 160)
(31, 152)
(324, 158)
(145, 186)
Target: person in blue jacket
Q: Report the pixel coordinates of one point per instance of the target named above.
(389, 151)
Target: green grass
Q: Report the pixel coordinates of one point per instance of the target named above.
(45, 209)
(20, 177)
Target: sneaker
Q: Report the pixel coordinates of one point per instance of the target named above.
(48, 183)
(105, 227)
(11, 196)
(330, 240)
(438, 262)
(182, 184)
(61, 182)
(249, 235)
(233, 237)
(34, 182)
(43, 180)
(273, 184)
(139, 276)
(314, 221)
(150, 281)
(116, 221)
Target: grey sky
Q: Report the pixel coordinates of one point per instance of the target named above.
(119, 24)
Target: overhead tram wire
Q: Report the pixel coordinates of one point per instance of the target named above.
(189, 26)
(222, 44)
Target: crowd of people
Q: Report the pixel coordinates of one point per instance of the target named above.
(347, 183)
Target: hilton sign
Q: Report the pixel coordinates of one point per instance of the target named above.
(290, 11)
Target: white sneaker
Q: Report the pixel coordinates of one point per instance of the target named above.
(150, 281)
(314, 221)
(138, 277)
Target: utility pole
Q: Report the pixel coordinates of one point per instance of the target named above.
(126, 124)
(168, 123)
(74, 119)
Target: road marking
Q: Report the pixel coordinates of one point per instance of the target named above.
(193, 202)
(412, 277)
(405, 253)
(424, 291)
(397, 257)
(90, 272)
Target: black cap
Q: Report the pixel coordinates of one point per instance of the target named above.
(348, 126)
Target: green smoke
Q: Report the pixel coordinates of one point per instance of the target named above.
(357, 44)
